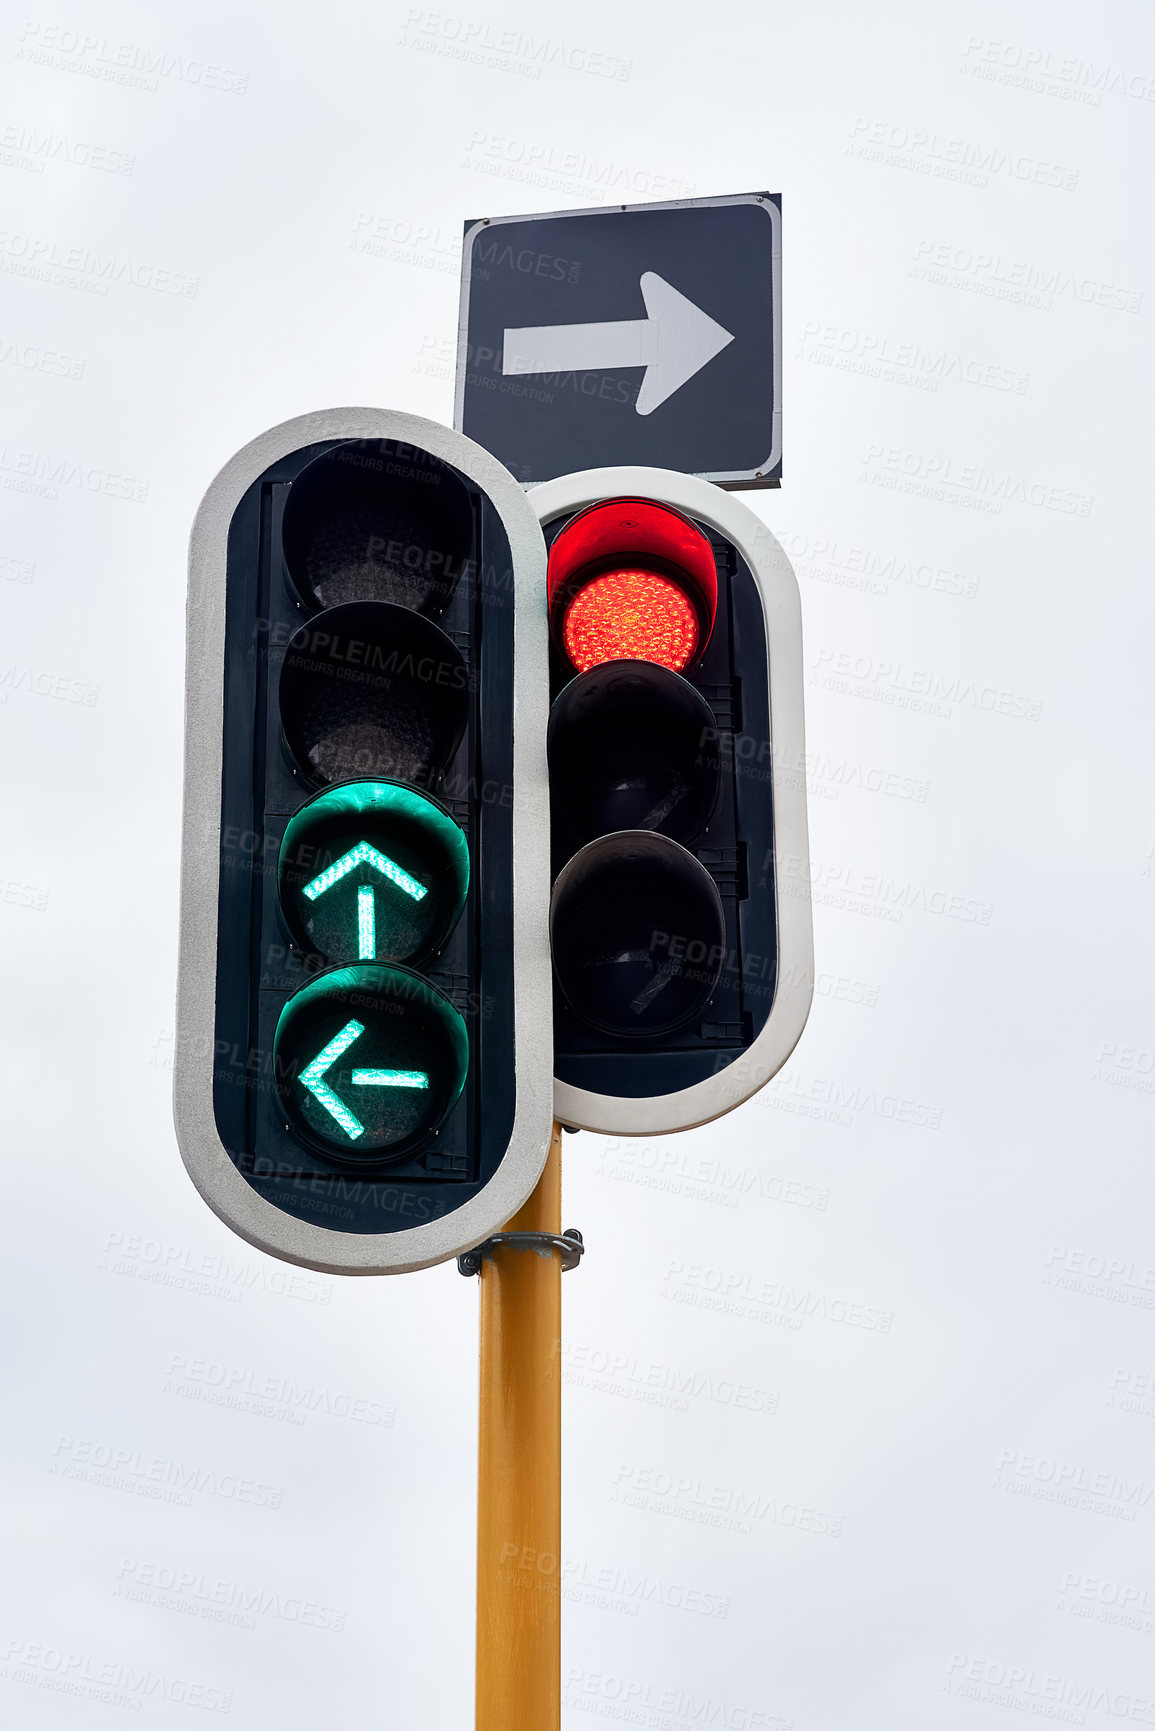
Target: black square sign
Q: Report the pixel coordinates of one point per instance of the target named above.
(637, 334)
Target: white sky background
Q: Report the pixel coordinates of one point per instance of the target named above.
(971, 1101)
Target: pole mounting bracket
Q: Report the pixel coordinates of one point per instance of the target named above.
(569, 1243)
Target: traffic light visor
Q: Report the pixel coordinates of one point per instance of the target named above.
(632, 580)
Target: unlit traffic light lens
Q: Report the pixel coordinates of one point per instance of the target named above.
(369, 522)
(633, 746)
(373, 690)
(638, 934)
(369, 1061)
(372, 871)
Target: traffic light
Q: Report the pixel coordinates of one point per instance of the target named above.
(365, 877)
(683, 964)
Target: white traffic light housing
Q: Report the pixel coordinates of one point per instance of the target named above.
(683, 969)
(359, 1086)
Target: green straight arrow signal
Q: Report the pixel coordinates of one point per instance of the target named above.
(366, 924)
(312, 1078)
(365, 854)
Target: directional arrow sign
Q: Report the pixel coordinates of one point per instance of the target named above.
(642, 334)
(674, 341)
(312, 1078)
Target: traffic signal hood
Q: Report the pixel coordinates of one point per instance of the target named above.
(682, 968)
(358, 1087)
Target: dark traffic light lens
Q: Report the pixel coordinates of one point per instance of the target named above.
(371, 690)
(374, 522)
(630, 579)
(638, 934)
(369, 1061)
(373, 872)
(633, 746)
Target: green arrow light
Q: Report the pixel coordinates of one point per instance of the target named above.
(390, 1079)
(366, 924)
(365, 854)
(372, 871)
(369, 1060)
(311, 1078)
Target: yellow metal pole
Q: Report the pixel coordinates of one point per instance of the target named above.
(519, 1474)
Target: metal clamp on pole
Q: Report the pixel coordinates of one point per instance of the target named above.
(569, 1243)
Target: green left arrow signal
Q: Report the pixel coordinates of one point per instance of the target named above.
(312, 1078)
(390, 1079)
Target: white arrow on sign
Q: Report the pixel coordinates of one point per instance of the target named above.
(674, 341)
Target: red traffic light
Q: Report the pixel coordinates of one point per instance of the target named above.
(632, 580)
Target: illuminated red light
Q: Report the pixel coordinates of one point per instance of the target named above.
(630, 616)
(632, 580)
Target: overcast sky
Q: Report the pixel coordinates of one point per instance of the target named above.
(902, 1301)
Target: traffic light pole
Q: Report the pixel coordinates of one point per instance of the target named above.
(519, 1470)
